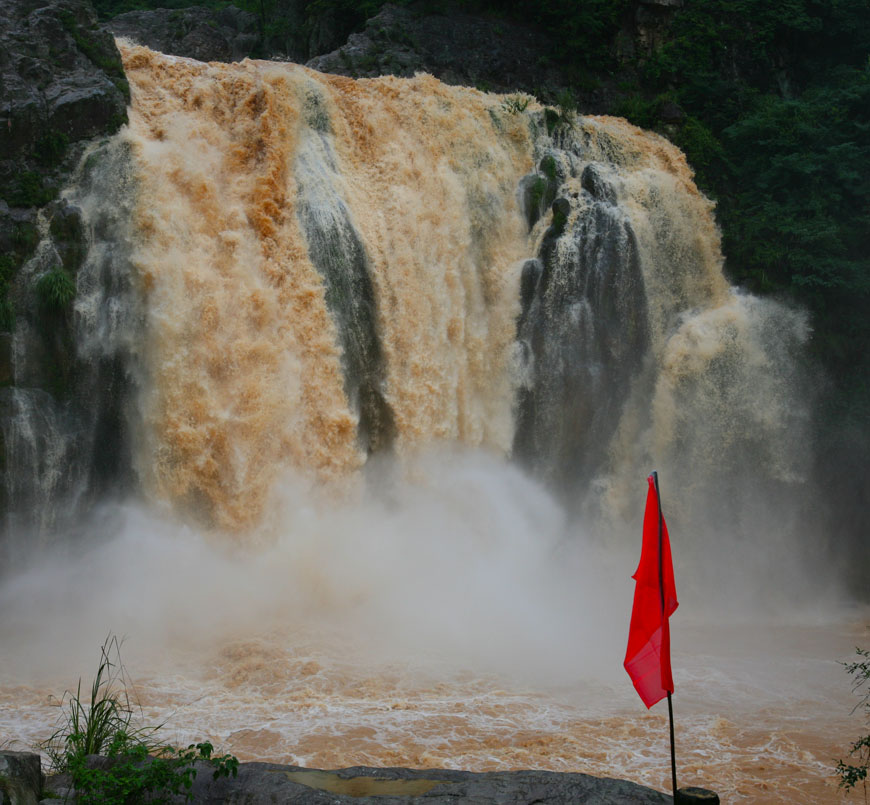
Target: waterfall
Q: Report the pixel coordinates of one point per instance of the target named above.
(295, 272)
(370, 374)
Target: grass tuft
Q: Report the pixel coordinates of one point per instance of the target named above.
(89, 727)
(56, 289)
(140, 768)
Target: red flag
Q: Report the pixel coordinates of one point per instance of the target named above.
(648, 657)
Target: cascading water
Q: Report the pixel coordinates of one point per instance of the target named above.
(295, 281)
(65, 430)
(331, 268)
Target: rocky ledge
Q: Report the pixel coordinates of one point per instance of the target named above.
(204, 34)
(461, 49)
(22, 783)
(265, 782)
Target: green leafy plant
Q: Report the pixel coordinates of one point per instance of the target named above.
(137, 768)
(107, 60)
(7, 315)
(564, 115)
(134, 775)
(56, 289)
(853, 773)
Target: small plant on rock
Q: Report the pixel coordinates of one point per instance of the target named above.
(515, 104)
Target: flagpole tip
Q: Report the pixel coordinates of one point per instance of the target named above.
(696, 796)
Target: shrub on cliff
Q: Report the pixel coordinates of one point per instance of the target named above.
(853, 773)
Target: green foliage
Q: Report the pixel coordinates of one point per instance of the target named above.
(638, 109)
(55, 289)
(561, 209)
(800, 221)
(24, 238)
(852, 774)
(705, 153)
(51, 148)
(558, 118)
(123, 86)
(537, 195)
(134, 775)
(777, 129)
(139, 769)
(548, 167)
(7, 315)
(29, 191)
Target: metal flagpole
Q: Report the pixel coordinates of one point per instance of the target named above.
(662, 591)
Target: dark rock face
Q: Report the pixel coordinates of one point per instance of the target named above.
(226, 34)
(61, 81)
(583, 329)
(63, 433)
(61, 85)
(339, 255)
(459, 49)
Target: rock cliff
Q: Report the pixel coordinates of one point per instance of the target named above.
(61, 84)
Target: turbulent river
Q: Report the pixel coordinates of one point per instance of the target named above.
(390, 362)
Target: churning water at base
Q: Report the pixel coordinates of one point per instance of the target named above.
(387, 364)
(458, 624)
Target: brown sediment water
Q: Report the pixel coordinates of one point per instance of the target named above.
(751, 734)
(243, 361)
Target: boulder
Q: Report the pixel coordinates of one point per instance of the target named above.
(20, 778)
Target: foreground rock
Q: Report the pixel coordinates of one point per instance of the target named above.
(20, 778)
(269, 783)
(265, 782)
